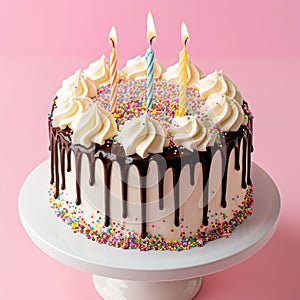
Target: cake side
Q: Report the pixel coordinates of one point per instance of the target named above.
(200, 199)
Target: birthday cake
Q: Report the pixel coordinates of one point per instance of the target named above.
(140, 176)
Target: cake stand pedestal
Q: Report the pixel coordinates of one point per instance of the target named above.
(129, 274)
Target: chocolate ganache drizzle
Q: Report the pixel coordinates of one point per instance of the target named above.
(172, 158)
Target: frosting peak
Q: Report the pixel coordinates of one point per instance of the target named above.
(192, 133)
(79, 85)
(217, 83)
(98, 71)
(143, 136)
(225, 112)
(193, 72)
(136, 68)
(67, 109)
(95, 125)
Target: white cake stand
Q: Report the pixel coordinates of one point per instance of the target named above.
(119, 274)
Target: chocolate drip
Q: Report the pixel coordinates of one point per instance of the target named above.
(68, 160)
(58, 145)
(51, 132)
(244, 184)
(78, 159)
(251, 131)
(107, 181)
(161, 193)
(62, 166)
(172, 158)
(56, 168)
(249, 182)
(143, 205)
(124, 186)
(237, 149)
(179, 161)
(176, 175)
(52, 149)
(205, 159)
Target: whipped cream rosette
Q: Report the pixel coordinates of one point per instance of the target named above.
(192, 133)
(194, 74)
(136, 68)
(67, 109)
(143, 136)
(95, 125)
(217, 83)
(225, 112)
(98, 71)
(79, 85)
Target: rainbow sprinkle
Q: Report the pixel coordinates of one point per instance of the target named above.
(133, 97)
(72, 215)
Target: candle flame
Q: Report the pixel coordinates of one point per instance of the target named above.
(113, 36)
(151, 33)
(184, 33)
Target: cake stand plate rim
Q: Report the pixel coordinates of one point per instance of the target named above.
(57, 240)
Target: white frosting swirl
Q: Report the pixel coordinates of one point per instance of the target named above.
(67, 109)
(225, 112)
(192, 133)
(194, 74)
(217, 83)
(95, 125)
(136, 68)
(98, 71)
(79, 85)
(143, 136)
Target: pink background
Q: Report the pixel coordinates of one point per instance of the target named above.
(255, 42)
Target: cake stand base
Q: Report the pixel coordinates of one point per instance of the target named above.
(130, 274)
(115, 289)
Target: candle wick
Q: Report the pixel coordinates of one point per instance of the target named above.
(151, 40)
(113, 43)
(185, 42)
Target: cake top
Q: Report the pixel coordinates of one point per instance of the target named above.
(214, 105)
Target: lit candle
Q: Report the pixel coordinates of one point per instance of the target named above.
(183, 60)
(113, 69)
(151, 34)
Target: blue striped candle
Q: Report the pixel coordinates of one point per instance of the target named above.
(150, 69)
